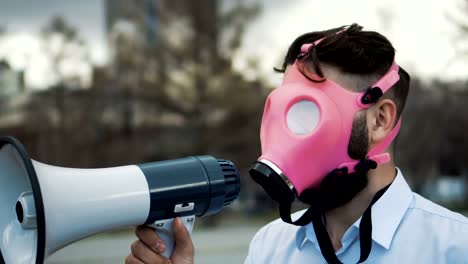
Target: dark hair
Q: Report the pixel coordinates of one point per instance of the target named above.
(366, 54)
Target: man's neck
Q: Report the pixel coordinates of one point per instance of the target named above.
(341, 218)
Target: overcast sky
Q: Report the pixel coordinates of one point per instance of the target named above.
(419, 29)
(28, 16)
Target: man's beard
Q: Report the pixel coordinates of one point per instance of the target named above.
(337, 189)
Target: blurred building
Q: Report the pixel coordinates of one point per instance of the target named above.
(11, 81)
(12, 97)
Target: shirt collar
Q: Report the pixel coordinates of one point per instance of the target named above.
(301, 238)
(387, 214)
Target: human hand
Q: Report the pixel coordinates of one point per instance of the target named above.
(149, 247)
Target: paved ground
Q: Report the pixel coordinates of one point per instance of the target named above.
(228, 245)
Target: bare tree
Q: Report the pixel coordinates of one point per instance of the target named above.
(61, 43)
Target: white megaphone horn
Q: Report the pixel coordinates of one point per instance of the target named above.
(43, 208)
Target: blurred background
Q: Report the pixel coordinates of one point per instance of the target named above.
(97, 83)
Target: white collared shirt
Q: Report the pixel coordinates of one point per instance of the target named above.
(406, 228)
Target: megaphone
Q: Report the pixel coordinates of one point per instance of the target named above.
(44, 207)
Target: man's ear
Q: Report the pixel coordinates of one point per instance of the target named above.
(381, 119)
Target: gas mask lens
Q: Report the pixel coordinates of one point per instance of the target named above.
(303, 117)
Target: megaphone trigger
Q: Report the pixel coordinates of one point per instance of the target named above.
(164, 230)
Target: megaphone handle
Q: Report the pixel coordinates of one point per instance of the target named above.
(164, 230)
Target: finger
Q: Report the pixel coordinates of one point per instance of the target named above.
(132, 260)
(151, 238)
(145, 254)
(183, 241)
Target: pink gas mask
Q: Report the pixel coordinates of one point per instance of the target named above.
(306, 129)
(305, 133)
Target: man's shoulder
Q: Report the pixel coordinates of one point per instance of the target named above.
(433, 211)
(436, 227)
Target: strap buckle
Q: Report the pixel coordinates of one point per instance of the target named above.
(371, 95)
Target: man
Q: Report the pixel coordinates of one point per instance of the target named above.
(326, 137)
